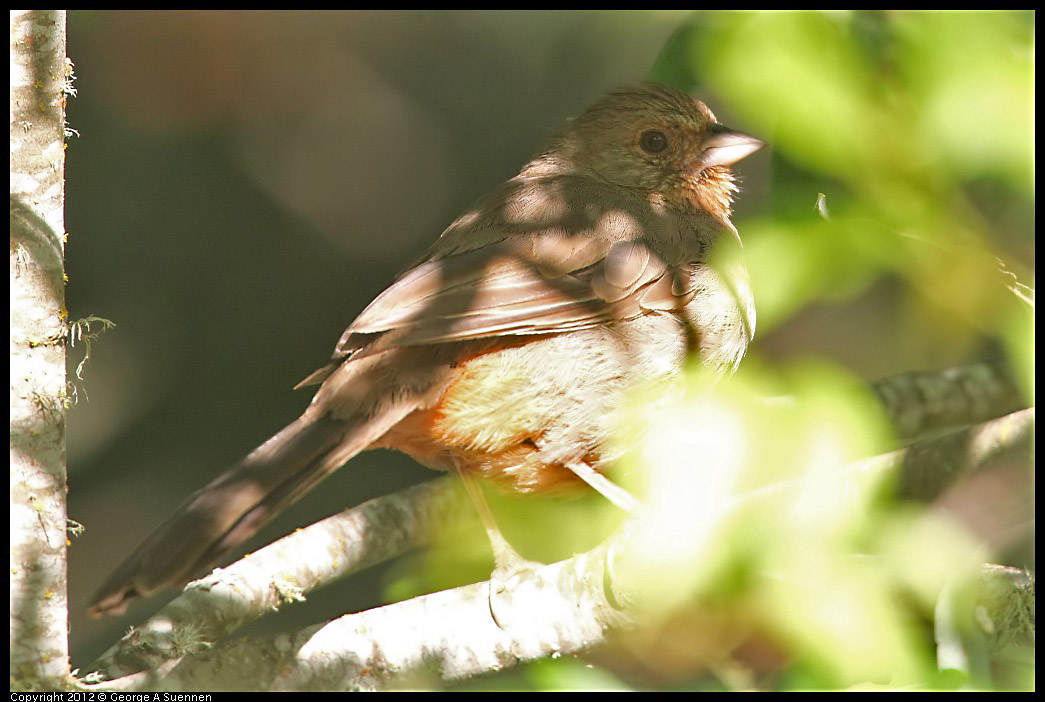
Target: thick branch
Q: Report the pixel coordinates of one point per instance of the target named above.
(442, 636)
(925, 469)
(564, 608)
(920, 403)
(229, 598)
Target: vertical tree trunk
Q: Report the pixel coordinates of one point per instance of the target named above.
(40, 82)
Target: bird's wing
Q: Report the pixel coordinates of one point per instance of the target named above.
(545, 286)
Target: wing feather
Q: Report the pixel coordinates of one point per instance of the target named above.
(511, 290)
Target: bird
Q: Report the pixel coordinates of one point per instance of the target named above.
(503, 351)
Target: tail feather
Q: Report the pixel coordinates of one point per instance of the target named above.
(237, 504)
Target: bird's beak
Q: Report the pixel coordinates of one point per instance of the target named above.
(723, 146)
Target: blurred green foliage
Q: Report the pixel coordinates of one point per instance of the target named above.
(908, 122)
(763, 513)
(766, 554)
(916, 129)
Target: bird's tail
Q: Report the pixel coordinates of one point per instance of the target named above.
(233, 507)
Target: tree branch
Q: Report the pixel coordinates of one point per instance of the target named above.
(926, 468)
(229, 598)
(920, 403)
(564, 608)
(446, 635)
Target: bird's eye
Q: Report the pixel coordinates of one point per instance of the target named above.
(653, 141)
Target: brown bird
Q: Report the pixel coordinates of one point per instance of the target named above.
(504, 352)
